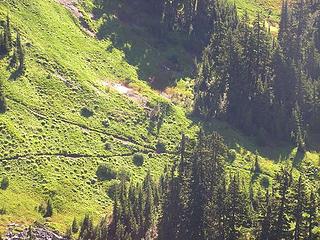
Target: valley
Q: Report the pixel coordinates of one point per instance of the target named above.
(100, 90)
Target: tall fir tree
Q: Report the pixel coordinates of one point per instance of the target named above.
(3, 103)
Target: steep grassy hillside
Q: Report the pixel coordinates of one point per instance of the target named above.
(81, 103)
(47, 147)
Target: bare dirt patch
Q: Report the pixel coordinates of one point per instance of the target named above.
(71, 5)
(127, 91)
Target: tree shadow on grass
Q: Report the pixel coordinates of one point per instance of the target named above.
(16, 74)
(254, 177)
(235, 139)
(158, 60)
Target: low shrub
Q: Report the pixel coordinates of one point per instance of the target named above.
(4, 183)
(105, 172)
(265, 182)
(106, 123)
(85, 112)
(161, 147)
(3, 211)
(138, 159)
(108, 146)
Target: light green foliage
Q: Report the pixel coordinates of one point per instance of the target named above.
(268, 8)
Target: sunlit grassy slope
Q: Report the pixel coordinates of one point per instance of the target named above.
(265, 7)
(47, 147)
(49, 150)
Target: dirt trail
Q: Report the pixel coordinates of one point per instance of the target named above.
(71, 5)
(124, 140)
(66, 155)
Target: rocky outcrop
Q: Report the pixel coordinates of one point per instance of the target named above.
(37, 232)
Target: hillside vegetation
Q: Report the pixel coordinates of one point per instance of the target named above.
(49, 146)
(84, 103)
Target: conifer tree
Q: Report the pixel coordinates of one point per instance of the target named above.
(49, 208)
(14, 60)
(312, 211)
(197, 199)
(263, 86)
(298, 133)
(149, 204)
(3, 103)
(21, 54)
(281, 226)
(8, 32)
(75, 226)
(30, 235)
(257, 168)
(7, 39)
(86, 230)
(169, 222)
(299, 208)
(113, 227)
(266, 222)
(284, 23)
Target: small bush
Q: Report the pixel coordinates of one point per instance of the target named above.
(265, 182)
(42, 208)
(138, 159)
(7, 168)
(108, 146)
(161, 147)
(127, 81)
(105, 172)
(3, 211)
(106, 123)
(5, 183)
(85, 112)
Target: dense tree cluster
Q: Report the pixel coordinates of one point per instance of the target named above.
(12, 49)
(266, 87)
(8, 46)
(134, 214)
(194, 20)
(198, 199)
(202, 202)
